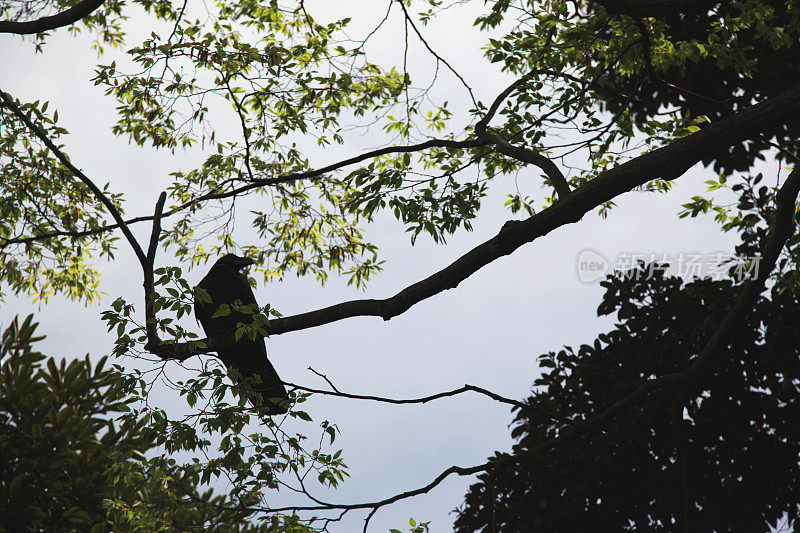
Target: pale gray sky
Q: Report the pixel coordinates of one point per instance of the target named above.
(487, 332)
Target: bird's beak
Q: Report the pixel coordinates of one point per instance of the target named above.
(244, 262)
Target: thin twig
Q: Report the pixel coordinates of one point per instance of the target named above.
(433, 52)
(424, 399)
(323, 376)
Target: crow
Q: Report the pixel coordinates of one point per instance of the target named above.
(225, 284)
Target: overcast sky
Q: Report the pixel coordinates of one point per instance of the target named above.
(487, 332)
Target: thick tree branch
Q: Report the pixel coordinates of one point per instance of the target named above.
(781, 230)
(155, 232)
(668, 163)
(65, 18)
(655, 8)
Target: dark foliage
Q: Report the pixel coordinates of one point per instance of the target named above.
(56, 441)
(61, 453)
(702, 86)
(727, 452)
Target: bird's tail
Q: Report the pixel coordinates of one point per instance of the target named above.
(269, 388)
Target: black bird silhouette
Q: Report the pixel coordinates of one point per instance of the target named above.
(225, 284)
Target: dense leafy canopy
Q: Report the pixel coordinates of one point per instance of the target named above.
(250, 83)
